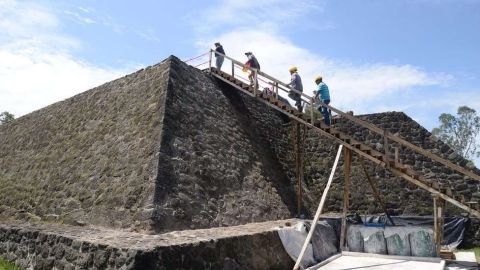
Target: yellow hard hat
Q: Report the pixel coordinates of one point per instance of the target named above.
(318, 78)
(293, 69)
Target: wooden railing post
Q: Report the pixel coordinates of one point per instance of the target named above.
(438, 204)
(385, 149)
(346, 195)
(396, 157)
(210, 60)
(255, 82)
(312, 101)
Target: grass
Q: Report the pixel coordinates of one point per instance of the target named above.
(6, 265)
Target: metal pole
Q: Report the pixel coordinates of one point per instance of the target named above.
(319, 210)
(233, 69)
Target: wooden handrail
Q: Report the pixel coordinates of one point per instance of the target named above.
(363, 151)
(263, 74)
(281, 85)
(403, 142)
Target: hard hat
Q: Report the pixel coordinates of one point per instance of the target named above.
(318, 78)
(293, 69)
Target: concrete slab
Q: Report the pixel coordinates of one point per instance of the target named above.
(464, 260)
(364, 261)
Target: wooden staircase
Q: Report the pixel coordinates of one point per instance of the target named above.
(363, 150)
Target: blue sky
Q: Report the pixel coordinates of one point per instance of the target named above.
(417, 56)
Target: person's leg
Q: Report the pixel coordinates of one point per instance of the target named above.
(220, 63)
(326, 114)
(298, 102)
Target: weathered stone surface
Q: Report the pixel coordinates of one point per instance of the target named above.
(218, 161)
(396, 245)
(354, 240)
(325, 241)
(421, 244)
(251, 246)
(400, 240)
(91, 158)
(170, 147)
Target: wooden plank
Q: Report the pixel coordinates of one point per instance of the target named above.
(365, 124)
(346, 195)
(434, 191)
(404, 143)
(325, 262)
(435, 224)
(395, 257)
(319, 209)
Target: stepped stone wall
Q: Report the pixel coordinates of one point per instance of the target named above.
(170, 148)
(165, 148)
(45, 247)
(89, 159)
(217, 161)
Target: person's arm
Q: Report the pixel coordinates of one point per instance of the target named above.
(292, 81)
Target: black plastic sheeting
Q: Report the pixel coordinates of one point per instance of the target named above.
(453, 227)
(324, 242)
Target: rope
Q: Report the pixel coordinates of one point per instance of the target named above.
(196, 57)
(201, 64)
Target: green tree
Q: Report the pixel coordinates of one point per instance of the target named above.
(461, 132)
(6, 117)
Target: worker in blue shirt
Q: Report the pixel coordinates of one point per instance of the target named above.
(324, 95)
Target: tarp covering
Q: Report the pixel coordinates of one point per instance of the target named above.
(398, 239)
(453, 227)
(324, 241)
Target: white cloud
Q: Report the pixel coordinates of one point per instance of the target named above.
(37, 65)
(83, 19)
(267, 14)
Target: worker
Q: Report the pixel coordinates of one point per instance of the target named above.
(296, 83)
(219, 57)
(254, 66)
(324, 95)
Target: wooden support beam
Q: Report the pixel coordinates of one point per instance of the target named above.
(298, 166)
(376, 192)
(346, 195)
(438, 205)
(319, 210)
